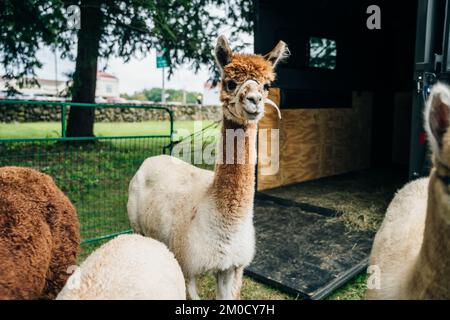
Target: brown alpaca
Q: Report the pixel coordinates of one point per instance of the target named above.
(412, 248)
(206, 218)
(39, 236)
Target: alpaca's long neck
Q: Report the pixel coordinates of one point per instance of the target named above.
(431, 274)
(234, 174)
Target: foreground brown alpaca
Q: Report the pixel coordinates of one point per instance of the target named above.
(412, 248)
(39, 236)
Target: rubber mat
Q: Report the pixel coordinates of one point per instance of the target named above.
(305, 250)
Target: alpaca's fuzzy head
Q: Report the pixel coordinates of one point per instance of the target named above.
(245, 80)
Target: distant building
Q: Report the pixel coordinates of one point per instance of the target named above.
(107, 86)
(46, 88)
(211, 93)
(107, 89)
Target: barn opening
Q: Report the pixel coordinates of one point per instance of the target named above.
(346, 100)
(350, 130)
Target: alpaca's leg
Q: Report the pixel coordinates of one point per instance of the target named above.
(192, 289)
(225, 282)
(237, 283)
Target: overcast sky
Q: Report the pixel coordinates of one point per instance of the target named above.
(135, 75)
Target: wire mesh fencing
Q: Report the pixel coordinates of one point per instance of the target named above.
(95, 173)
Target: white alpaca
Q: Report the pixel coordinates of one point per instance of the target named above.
(399, 239)
(412, 249)
(206, 218)
(127, 267)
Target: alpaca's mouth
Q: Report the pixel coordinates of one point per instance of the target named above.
(252, 115)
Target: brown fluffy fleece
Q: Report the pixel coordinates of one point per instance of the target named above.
(39, 235)
(246, 66)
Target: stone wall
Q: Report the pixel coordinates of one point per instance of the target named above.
(48, 113)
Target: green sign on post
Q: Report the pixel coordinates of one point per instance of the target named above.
(161, 62)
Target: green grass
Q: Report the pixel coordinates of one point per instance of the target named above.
(95, 177)
(353, 290)
(251, 290)
(102, 129)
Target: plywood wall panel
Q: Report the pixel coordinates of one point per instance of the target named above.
(316, 143)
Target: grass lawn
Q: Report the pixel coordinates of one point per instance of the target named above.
(95, 177)
(103, 129)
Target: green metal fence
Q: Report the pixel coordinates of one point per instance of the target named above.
(95, 176)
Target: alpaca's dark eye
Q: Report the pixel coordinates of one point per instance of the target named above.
(231, 85)
(266, 87)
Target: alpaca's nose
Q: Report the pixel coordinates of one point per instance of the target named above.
(254, 98)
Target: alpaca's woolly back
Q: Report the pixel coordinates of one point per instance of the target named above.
(39, 235)
(127, 267)
(163, 200)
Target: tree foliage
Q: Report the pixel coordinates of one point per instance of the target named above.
(25, 27)
(186, 28)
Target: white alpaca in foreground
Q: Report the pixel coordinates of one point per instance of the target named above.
(128, 267)
(412, 247)
(206, 218)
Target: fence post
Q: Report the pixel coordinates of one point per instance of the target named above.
(171, 130)
(63, 120)
(171, 143)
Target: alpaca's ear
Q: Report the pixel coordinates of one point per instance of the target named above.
(222, 52)
(279, 53)
(437, 115)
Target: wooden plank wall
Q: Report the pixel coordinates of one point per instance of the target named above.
(316, 143)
